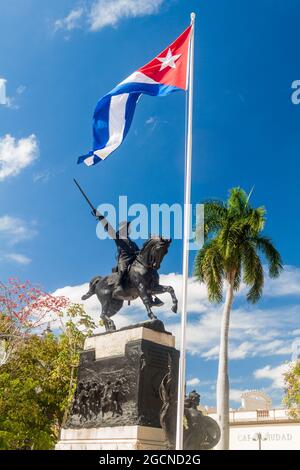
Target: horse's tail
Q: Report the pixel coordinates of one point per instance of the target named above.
(92, 288)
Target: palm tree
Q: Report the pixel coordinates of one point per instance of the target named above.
(230, 254)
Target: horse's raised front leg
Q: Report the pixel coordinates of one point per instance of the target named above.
(146, 299)
(162, 289)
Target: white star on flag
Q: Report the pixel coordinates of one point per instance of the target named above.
(168, 61)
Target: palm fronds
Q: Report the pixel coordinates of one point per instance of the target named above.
(232, 247)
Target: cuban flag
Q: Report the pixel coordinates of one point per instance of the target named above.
(113, 115)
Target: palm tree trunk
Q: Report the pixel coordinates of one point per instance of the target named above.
(223, 380)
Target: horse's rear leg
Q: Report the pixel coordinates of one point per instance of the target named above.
(110, 307)
(108, 322)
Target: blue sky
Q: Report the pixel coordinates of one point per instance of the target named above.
(58, 58)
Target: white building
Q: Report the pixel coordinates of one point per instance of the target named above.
(256, 425)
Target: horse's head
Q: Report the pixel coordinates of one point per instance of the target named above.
(154, 250)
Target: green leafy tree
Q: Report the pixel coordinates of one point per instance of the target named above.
(38, 382)
(230, 255)
(292, 389)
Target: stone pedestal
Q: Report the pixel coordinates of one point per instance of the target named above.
(121, 391)
(112, 438)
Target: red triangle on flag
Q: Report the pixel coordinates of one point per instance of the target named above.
(170, 66)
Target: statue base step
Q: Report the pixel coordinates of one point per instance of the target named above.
(112, 438)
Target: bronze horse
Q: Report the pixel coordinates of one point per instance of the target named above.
(142, 281)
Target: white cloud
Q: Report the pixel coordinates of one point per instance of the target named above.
(102, 13)
(235, 395)
(110, 12)
(42, 177)
(15, 155)
(211, 353)
(2, 91)
(5, 100)
(151, 123)
(21, 89)
(287, 284)
(12, 231)
(241, 351)
(18, 258)
(71, 21)
(275, 375)
(9, 101)
(254, 331)
(15, 230)
(193, 382)
(151, 120)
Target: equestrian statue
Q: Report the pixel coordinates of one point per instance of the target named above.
(136, 274)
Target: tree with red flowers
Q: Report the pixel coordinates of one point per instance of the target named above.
(24, 308)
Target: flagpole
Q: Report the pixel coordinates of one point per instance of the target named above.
(186, 236)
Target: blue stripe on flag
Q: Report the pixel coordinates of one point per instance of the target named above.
(130, 108)
(101, 120)
(101, 131)
(84, 157)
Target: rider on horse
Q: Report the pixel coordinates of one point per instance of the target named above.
(127, 252)
(127, 248)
